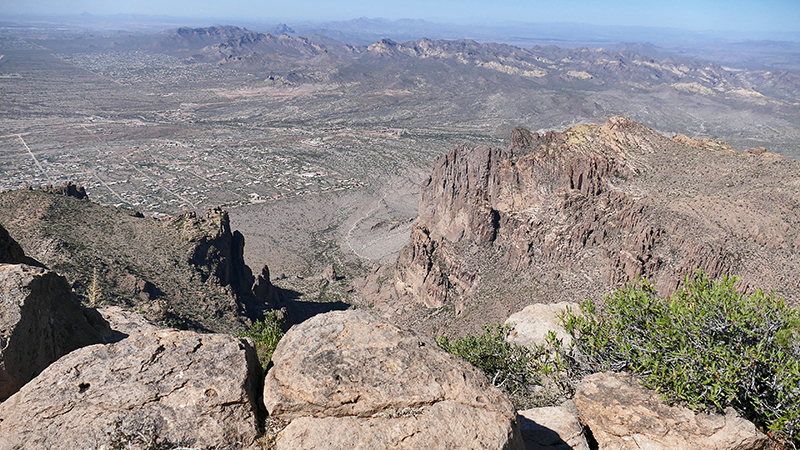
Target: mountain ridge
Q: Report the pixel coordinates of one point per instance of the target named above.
(187, 272)
(568, 216)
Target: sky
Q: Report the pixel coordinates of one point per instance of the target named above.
(698, 15)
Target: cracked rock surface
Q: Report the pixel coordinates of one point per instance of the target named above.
(195, 389)
(348, 379)
(623, 415)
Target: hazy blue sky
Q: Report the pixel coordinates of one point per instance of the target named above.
(719, 15)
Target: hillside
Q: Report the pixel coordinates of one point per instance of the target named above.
(572, 215)
(187, 272)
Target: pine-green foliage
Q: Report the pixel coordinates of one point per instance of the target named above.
(707, 346)
(513, 368)
(266, 334)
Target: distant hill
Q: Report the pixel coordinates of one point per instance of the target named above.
(193, 39)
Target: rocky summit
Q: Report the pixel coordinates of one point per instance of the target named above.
(564, 216)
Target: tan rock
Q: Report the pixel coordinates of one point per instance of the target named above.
(348, 379)
(534, 322)
(123, 323)
(624, 415)
(552, 427)
(198, 389)
(329, 273)
(41, 320)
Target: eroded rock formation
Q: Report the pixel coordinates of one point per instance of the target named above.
(577, 213)
(188, 272)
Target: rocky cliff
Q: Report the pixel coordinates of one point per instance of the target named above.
(187, 272)
(565, 216)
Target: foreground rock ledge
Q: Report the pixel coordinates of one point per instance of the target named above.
(198, 389)
(623, 415)
(348, 379)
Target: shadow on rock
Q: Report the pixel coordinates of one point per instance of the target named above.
(299, 311)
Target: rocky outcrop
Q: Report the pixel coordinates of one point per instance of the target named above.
(623, 415)
(41, 320)
(215, 249)
(427, 270)
(69, 189)
(196, 389)
(329, 274)
(115, 323)
(532, 325)
(188, 272)
(575, 214)
(347, 379)
(217, 253)
(553, 428)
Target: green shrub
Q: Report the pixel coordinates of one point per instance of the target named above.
(707, 346)
(530, 376)
(138, 434)
(265, 334)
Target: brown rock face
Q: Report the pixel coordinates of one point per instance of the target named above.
(623, 415)
(40, 321)
(198, 389)
(217, 253)
(347, 379)
(575, 214)
(68, 188)
(188, 272)
(11, 252)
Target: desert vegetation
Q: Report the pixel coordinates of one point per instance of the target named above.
(708, 346)
(266, 333)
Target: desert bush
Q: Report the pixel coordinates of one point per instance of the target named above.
(531, 376)
(707, 346)
(266, 334)
(142, 435)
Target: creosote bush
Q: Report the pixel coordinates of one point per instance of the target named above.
(707, 346)
(266, 334)
(530, 376)
(138, 434)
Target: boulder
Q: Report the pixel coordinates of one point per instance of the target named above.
(41, 320)
(180, 386)
(552, 428)
(348, 379)
(115, 323)
(329, 273)
(531, 325)
(624, 415)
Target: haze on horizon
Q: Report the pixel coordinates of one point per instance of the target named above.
(765, 16)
